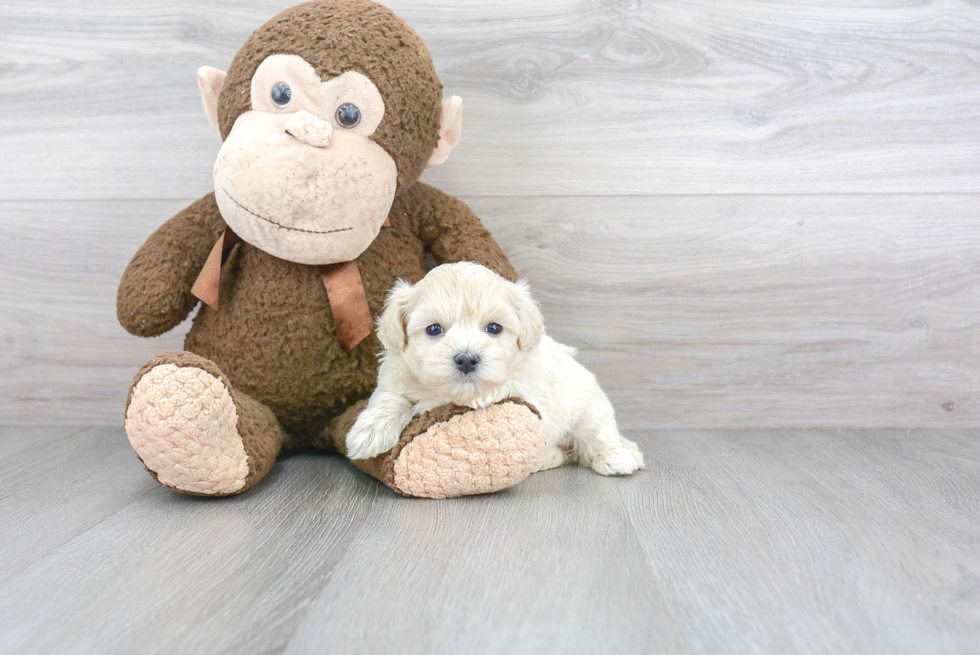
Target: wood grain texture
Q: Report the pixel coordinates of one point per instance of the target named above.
(134, 567)
(708, 311)
(730, 542)
(762, 311)
(681, 183)
(822, 534)
(563, 97)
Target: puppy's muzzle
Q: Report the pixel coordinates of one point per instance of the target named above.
(466, 362)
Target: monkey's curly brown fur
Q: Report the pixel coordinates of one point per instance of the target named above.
(273, 340)
(274, 335)
(352, 35)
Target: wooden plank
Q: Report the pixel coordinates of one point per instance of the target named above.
(706, 311)
(65, 359)
(563, 97)
(61, 483)
(130, 566)
(552, 565)
(17, 438)
(812, 541)
(779, 311)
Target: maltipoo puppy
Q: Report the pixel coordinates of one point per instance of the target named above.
(465, 335)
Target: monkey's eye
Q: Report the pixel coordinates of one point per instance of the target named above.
(348, 115)
(493, 328)
(281, 94)
(434, 330)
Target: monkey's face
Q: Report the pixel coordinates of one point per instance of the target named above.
(298, 175)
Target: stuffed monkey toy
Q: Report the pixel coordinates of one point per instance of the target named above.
(329, 114)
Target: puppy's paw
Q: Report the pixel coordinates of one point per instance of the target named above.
(367, 441)
(553, 458)
(623, 458)
(633, 448)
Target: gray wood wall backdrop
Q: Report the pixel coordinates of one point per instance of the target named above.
(743, 213)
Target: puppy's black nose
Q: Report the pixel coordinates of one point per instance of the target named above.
(466, 362)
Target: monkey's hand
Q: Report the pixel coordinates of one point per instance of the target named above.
(155, 291)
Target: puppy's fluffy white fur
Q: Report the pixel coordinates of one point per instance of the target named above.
(419, 372)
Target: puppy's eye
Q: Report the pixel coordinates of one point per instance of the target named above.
(281, 94)
(434, 330)
(494, 329)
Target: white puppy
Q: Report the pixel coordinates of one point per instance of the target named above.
(465, 335)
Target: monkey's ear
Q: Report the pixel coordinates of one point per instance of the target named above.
(391, 326)
(450, 127)
(209, 81)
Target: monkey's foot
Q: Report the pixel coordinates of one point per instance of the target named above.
(456, 451)
(193, 432)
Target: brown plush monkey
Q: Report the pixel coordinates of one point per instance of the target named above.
(329, 114)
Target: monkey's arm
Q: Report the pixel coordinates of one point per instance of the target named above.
(155, 291)
(452, 232)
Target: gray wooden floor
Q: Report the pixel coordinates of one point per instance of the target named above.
(749, 541)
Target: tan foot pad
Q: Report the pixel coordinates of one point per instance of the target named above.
(477, 452)
(183, 423)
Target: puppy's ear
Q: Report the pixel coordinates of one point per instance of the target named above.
(391, 325)
(532, 323)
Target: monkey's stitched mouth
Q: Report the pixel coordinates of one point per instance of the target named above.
(293, 229)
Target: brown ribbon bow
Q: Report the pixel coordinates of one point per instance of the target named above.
(345, 290)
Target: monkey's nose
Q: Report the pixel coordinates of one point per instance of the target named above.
(466, 362)
(309, 129)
